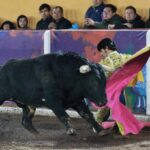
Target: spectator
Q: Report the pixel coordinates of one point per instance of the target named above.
(132, 19)
(8, 25)
(110, 18)
(95, 11)
(61, 22)
(147, 25)
(46, 17)
(22, 22)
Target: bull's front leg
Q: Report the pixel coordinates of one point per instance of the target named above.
(65, 119)
(53, 99)
(59, 111)
(85, 113)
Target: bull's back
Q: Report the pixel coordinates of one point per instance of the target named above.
(24, 76)
(21, 77)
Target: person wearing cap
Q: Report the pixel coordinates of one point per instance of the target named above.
(111, 61)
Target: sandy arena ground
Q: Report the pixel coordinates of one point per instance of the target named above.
(52, 136)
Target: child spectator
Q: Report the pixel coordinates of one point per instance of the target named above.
(46, 17)
(22, 22)
(8, 25)
(110, 18)
(60, 20)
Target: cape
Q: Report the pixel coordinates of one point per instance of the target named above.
(125, 120)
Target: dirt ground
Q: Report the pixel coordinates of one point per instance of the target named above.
(52, 136)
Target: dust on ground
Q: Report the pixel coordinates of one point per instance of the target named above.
(52, 136)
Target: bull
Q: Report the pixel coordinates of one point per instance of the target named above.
(54, 81)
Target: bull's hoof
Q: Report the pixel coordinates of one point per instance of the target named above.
(33, 131)
(97, 128)
(71, 131)
(95, 131)
(30, 128)
(105, 132)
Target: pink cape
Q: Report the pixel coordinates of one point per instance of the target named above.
(126, 121)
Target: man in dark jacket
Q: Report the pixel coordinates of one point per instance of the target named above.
(46, 18)
(147, 23)
(95, 11)
(110, 18)
(60, 21)
(132, 19)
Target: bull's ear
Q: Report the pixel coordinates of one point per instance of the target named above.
(84, 69)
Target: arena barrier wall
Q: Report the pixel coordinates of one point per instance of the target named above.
(129, 42)
(29, 44)
(20, 44)
(148, 77)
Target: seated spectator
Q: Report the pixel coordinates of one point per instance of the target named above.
(60, 20)
(46, 17)
(95, 11)
(132, 19)
(147, 25)
(22, 22)
(8, 25)
(110, 18)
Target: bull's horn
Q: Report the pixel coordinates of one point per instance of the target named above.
(84, 69)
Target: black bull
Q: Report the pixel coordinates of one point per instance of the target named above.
(57, 82)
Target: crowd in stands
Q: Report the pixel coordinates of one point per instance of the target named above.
(97, 16)
(50, 19)
(110, 18)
